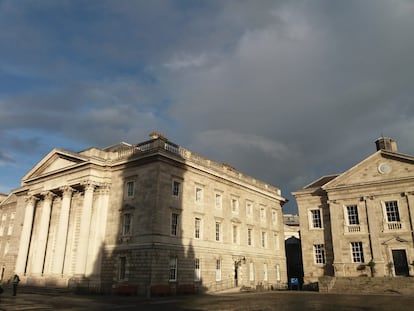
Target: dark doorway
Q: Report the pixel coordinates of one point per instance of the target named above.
(400, 262)
(236, 273)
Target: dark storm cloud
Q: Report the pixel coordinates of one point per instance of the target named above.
(285, 91)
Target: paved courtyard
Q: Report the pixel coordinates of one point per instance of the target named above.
(280, 301)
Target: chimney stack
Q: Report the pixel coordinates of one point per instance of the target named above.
(386, 144)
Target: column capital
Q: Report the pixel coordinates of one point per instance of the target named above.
(89, 185)
(66, 191)
(48, 195)
(104, 188)
(31, 199)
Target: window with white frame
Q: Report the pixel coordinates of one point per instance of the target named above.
(250, 236)
(352, 214)
(175, 221)
(197, 270)
(176, 188)
(218, 231)
(264, 239)
(173, 269)
(198, 194)
(391, 208)
(251, 271)
(319, 253)
(218, 270)
(265, 273)
(197, 228)
(315, 218)
(218, 200)
(122, 268)
(235, 205)
(357, 252)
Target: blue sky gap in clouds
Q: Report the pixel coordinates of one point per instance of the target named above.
(285, 91)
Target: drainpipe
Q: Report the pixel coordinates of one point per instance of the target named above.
(409, 216)
(368, 228)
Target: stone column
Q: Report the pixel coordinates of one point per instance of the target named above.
(43, 234)
(62, 231)
(25, 236)
(97, 240)
(83, 243)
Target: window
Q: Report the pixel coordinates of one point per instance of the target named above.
(235, 234)
(130, 189)
(198, 194)
(174, 224)
(262, 214)
(263, 239)
(122, 268)
(176, 188)
(12, 215)
(278, 273)
(10, 229)
(126, 224)
(265, 274)
(218, 231)
(1, 230)
(357, 252)
(352, 211)
(218, 270)
(393, 214)
(249, 209)
(274, 216)
(277, 242)
(319, 252)
(197, 228)
(197, 270)
(235, 206)
(6, 248)
(316, 219)
(173, 269)
(218, 200)
(249, 237)
(251, 272)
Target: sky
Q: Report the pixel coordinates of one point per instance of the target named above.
(284, 91)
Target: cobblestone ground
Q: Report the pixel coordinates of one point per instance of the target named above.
(280, 301)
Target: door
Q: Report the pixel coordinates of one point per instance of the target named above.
(236, 273)
(400, 262)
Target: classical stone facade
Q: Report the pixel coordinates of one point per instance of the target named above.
(151, 218)
(360, 222)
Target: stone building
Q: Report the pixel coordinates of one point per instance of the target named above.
(150, 218)
(360, 219)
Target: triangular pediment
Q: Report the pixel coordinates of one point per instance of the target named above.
(380, 167)
(57, 160)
